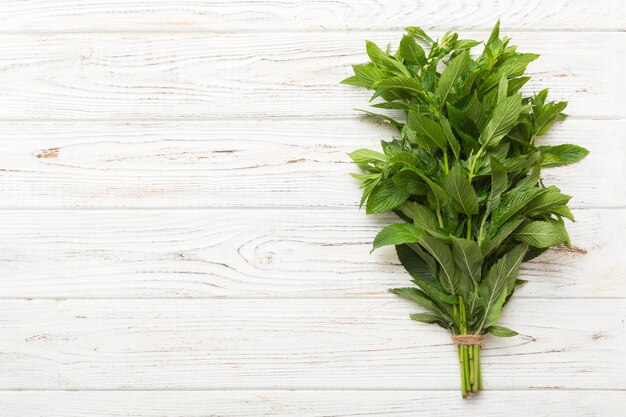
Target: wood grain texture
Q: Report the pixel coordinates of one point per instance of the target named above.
(179, 235)
(285, 163)
(310, 15)
(311, 403)
(260, 253)
(178, 76)
(299, 344)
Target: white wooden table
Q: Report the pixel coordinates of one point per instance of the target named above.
(179, 235)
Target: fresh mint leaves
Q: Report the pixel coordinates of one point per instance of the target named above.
(464, 177)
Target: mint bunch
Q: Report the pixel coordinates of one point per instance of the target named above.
(464, 177)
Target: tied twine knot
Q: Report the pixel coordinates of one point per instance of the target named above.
(468, 339)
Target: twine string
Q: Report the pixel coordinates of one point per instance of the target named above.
(468, 339)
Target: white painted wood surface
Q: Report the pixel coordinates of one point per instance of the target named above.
(305, 403)
(266, 75)
(244, 163)
(259, 253)
(179, 235)
(306, 15)
(298, 344)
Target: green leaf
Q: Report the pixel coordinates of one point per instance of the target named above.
(442, 254)
(457, 185)
(476, 112)
(404, 157)
(384, 118)
(430, 131)
(465, 44)
(503, 88)
(377, 55)
(495, 33)
(385, 196)
(493, 310)
(468, 258)
(381, 60)
(499, 182)
(436, 293)
(515, 84)
(512, 67)
(367, 156)
(541, 234)
(513, 205)
(461, 121)
(410, 182)
(520, 282)
(411, 52)
(355, 81)
(392, 105)
(554, 156)
(425, 318)
(504, 231)
(422, 216)
(562, 211)
(501, 331)
(504, 117)
(454, 144)
(417, 263)
(494, 288)
(456, 66)
(419, 34)
(397, 234)
(364, 177)
(368, 74)
(368, 186)
(420, 298)
(400, 82)
(548, 114)
(515, 66)
(438, 194)
(514, 259)
(528, 182)
(549, 197)
(521, 164)
(539, 100)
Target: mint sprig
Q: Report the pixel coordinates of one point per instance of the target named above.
(464, 177)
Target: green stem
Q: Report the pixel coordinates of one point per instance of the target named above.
(462, 367)
(477, 366)
(439, 218)
(480, 372)
(464, 348)
(482, 225)
(469, 227)
(472, 367)
(445, 162)
(473, 166)
(468, 387)
(469, 355)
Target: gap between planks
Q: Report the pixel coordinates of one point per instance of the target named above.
(272, 298)
(227, 208)
(268, 118)
(252, 32)
(313, 389)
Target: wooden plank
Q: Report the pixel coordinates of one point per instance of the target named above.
(260, 253)
(298, 344)
(310, 15)
(186, 76)
(310, 403)
(285, 163)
